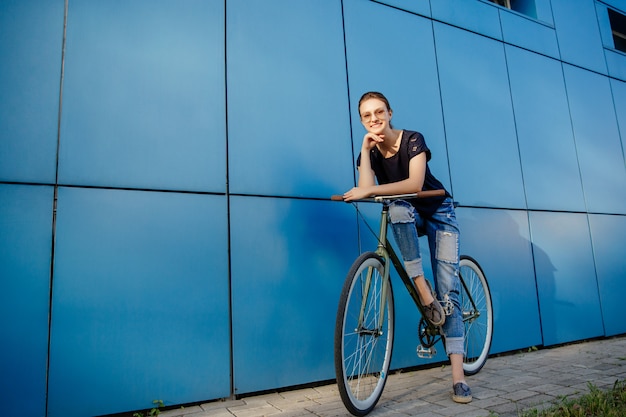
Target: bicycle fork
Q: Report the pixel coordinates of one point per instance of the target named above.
(474, 313)
(376, 330)
(384, 288)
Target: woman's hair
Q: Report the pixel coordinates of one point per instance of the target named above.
(376, 95)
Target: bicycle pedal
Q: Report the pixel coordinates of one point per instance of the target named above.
(426, 353)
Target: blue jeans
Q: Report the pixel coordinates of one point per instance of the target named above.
(443, 239)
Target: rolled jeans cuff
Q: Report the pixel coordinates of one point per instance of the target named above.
(414, 268)
(454, 345)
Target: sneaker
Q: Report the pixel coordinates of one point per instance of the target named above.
(462, 393)
(433, 312)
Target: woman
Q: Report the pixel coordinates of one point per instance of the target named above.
(395, 161)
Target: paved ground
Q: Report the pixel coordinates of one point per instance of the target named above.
(505, 386)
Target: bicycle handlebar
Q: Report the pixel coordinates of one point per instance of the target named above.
(381, 198)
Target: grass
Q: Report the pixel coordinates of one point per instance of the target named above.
(596, 403)
(155, 411)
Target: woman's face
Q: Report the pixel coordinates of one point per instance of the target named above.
(375, 116)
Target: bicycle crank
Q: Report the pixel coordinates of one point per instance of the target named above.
(427, 333)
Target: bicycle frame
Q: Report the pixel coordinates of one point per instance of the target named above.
(385, 250)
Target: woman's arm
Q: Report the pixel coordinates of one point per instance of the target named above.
(367, 178)
(367, 186)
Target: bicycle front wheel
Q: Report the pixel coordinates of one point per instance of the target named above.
(364, 334)
(477, 315)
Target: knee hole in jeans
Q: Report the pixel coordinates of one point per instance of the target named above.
(399, 213)
(447, 246)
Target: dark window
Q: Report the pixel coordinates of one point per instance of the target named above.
(526, 7)
(618, 27)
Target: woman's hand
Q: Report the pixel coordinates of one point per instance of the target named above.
(370, 140)
(357, 193)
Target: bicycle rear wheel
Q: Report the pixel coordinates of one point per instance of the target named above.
(363, 349)
(477, 317)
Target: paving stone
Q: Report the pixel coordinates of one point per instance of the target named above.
(213, 413)
(506, 408)
(225, 404)
(537, 400)
(254, 410)
(489, 403)
(285, 405)
(180, 411)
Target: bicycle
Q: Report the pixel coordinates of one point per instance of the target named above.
(364, 326)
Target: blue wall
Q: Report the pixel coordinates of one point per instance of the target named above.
(165, 231)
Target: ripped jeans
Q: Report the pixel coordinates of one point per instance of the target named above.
(443, 240)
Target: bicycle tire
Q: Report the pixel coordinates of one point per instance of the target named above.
(362, 356)
(478, 331)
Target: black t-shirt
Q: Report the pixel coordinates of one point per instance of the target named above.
(396, 168)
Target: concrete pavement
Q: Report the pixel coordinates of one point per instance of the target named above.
(505, 386)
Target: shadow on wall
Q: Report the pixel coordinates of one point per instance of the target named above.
(500, 241)
(289, 260)
(546, 283)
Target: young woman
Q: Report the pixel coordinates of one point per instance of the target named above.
(395, 161)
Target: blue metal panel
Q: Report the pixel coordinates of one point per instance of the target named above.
(617, 4)
(499, 241)
(529, 34)
(286, 94)
(31, 33)
(566, 278)
(140, 301)
(597, 140)
(143, 100)
(483, 152)
(604, 25)
(476, 16)
(544, 11)
(548, 152)
(618, 89)
(289, 260)
(419, 7)
(609, 251)
(578, 34)
(616, 63)
(25, 240)
(411, 85)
